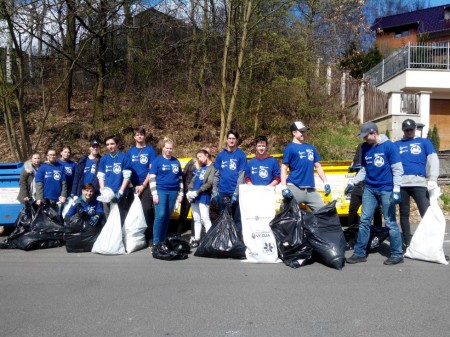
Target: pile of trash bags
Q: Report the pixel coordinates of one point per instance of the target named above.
(36, 227)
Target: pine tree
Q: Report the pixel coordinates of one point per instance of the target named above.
(433, 136)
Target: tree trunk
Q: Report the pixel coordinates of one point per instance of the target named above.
(69, 49)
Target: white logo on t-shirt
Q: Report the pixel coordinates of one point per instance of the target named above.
(263, 173)
(117, 168)
(56, 175)
(415, 149)
(233, 164)
(378, 161)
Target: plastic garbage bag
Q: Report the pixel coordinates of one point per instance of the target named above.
(222, 240)
(351, 236)
(109, 241)
(427, 242)
(377, 236)
(79, 235)
(44, 231)
(257, 204)
(287, 227)
(106, 195)
(69, 203)
(171, 249)
(134, 227)
(325, 235)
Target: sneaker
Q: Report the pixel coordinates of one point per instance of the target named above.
(194, 244)
(393, 260)
(356, 259)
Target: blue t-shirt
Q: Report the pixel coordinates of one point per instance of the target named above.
(168, 173)
(94, 207)
(69, 169)
(113, 168)
(301, 159)
(414, 153)
(377, 161)
(199, 179)
(140, 160)
(51, 176)
(89, 171)
(262, 171)
(230, 164)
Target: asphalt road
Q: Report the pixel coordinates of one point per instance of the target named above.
(54, 293)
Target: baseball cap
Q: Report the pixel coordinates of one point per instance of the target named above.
(95, 142)
(367, 128)
(409, 124)
(298, 126)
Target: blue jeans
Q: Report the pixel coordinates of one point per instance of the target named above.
(235, 210)
(370, 201)
(163, 210)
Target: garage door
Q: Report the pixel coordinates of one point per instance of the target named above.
(440, 116)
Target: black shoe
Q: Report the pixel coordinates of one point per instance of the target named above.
(356, 259)
(393, 260)
(194, 244)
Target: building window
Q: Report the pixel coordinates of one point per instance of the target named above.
(401, 34)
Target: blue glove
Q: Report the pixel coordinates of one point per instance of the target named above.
(287, 193)
(349, 189)
(396, 198)
(215, 198)
(93, 220)
(234, 198)
(117, 197)
(327, 189)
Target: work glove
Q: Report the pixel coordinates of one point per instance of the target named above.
(117, 197)
(349, 188)
(234, 198)
(191, 195)
(396, 198)
(432, 185)
(93, 220)
(327, 189)
(287, 193)
(215, 198)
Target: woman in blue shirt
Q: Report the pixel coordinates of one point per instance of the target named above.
(166, 185)
(69, 166)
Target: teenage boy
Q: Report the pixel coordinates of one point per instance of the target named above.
(86, 170)
(262, 169)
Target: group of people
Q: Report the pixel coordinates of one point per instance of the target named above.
(392, 172)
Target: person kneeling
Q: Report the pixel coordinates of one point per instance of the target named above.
(88, 205)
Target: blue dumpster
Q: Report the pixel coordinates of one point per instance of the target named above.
(9, 189)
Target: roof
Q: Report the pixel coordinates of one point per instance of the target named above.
(427, 20)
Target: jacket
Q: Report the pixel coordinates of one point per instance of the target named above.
(207, 182)
(27, 187)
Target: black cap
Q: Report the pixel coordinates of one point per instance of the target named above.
(95, 142)
(409, 124)
(367, 128)
(298, 126)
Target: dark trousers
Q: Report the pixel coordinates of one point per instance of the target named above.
(224, 200)
(422, 199)
(355, 203)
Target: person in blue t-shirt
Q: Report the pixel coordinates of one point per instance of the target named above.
(381, 169)
(263, 169)
(416, 154)
(50, 181)
(199, 194)
(69, 166)
(302, 158)
(86, 170)
(114, 171)
(141, 157)
(230, 169)
(88, 204)
(166, 185)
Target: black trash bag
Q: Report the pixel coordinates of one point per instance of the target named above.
(47, 220)
(39, 240)
(377, 236)
(79, 235)
(325, 235)
(171, 249)
(351, 236)
(222, 240)
(287, 227)
(21, 226)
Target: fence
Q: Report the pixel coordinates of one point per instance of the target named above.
(434, 55)
(375, 103)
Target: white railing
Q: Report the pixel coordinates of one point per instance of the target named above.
(434, 55)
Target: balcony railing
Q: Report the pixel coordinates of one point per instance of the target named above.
(434, 55)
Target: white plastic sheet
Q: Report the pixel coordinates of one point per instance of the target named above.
(427, 242)
(257, 204)
(109, 241)
(134, 227)
(106, 194)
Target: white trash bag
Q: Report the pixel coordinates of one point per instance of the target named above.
(257, 205)
(109, 241)
(69, 203)
(106, 195)
(427, 243)
(134, 227)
